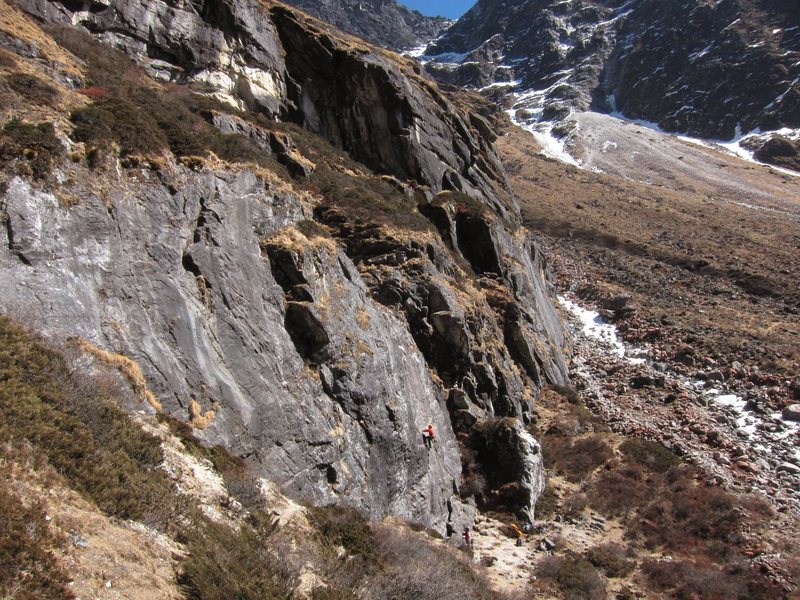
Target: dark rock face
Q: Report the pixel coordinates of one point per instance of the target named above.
(322, 357)
(511, 457)
(283, 64)
(777, 150)
(704, 68)
(382, 22)
(390, 119)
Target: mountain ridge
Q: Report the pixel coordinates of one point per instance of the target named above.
(713, 71)
(382, 22)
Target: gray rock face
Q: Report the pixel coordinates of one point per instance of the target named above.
(389, 118)
(319, 359)
(382, 22)
(229, 46)
(180, 283)
(489, 345)
(512, 458)
(279, 62)
(791, 412)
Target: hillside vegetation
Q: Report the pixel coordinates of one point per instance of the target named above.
(381, 291)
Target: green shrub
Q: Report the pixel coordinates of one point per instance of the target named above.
(612, 559)
(574, 506)
(463, 203)
(312, 229)
(28, 568)
(650, 455)
(344, 526)
(575, 577)
(686, 519)
(575, 459)
(35, 143)
(121, 121)
(415, 569)
(224, 564)
(367, 198)
(103, 65)
(619, 490)
(65, 416)
(84, 434)
(32, 89)
(690, 579)
(569, 393)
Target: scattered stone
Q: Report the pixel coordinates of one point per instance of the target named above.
(791, 412)
(546, 544)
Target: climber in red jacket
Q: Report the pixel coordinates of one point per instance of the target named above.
(428, 436)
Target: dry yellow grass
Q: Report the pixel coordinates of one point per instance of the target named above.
(362, 318)
(18, 25)
(199, 419)
(128, 367)
(291, 238)
(121, 560)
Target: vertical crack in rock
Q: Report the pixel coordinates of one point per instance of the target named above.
(12, 247)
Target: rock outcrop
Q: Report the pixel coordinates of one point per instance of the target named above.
(709, 69)
(775, 149)
(195, 285)
(279, 62)
(310, 339)
(382, 22)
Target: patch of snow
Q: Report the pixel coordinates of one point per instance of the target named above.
(595, 327)
(416, 52)
(499, 84)
(565, 48)
(608, 145)
(532, 102)
(749, 423)
(732, 146)
(616, 17)
(731, 25)
(552, 147)
(455, 58)
(700, 53)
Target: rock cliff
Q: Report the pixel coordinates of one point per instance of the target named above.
(310, 312)
(382, 22)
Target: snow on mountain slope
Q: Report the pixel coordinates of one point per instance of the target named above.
(711, 70)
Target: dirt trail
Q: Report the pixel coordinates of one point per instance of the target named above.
(511, 567)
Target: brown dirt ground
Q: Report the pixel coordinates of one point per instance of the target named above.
(703, 268)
